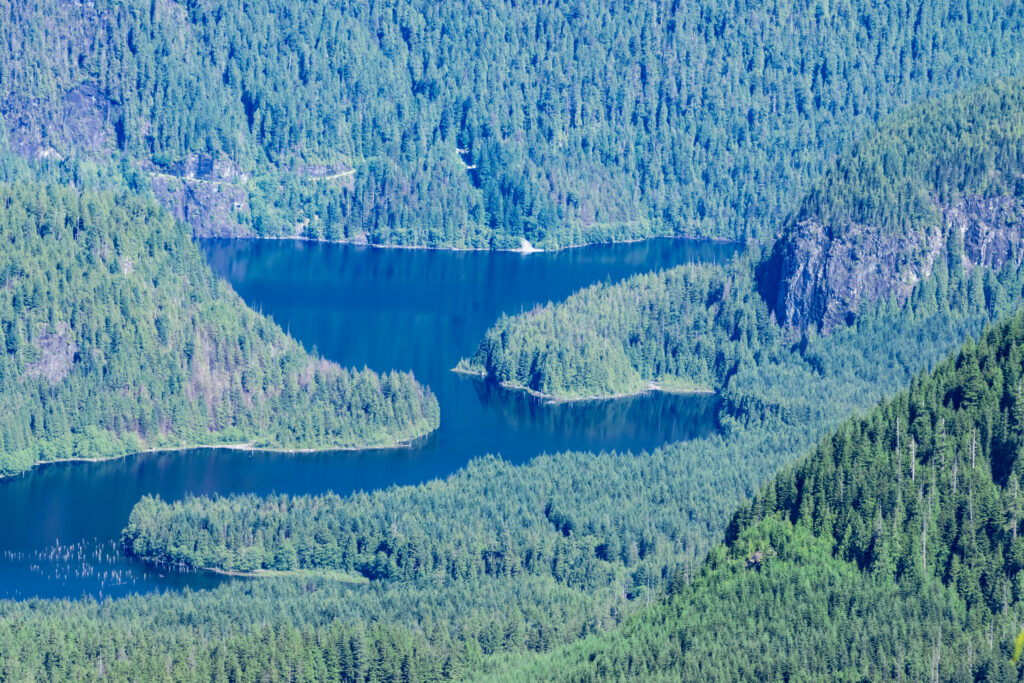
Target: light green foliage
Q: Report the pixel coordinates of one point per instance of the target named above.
(306, 628)
(941, 460)
(807, 618)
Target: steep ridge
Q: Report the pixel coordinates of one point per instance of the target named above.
(476, 127)
(893, 551)
(945, 172)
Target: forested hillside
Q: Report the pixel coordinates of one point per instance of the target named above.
(447, 124)
(571, 545)
(685, 329)
(117, 337)
(889, 549)
(875, 224)
(608, 533)
(893, 551)
(940, 188)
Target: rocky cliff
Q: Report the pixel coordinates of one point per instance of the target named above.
(821, 275)
(941, 180)
(81, 120)
(209, 194)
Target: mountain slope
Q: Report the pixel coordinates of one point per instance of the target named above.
(115, 337)
(938, 191)
(893, 550)
(946, 171)
(442, 124)
(798, 617)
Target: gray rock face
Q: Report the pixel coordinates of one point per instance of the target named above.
(208, 194)
(992, 229)
(820, 276)
(56, 355)
(79, 122)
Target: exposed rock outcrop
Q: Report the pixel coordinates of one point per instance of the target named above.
(209, 194)
(820, 276)
(81, 121)
(56, 355)
(992, 229)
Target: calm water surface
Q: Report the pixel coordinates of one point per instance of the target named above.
(384, 309)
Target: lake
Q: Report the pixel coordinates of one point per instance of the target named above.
(385, 309)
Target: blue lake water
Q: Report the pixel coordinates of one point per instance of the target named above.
(412, 310)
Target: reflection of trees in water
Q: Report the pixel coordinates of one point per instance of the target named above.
(334, 271)
(676, 417)
(95, 567)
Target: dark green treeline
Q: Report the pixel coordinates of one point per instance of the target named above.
(895, 550)
(479, 125)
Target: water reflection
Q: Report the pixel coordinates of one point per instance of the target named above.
(674, 417)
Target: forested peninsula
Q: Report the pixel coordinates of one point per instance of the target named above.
(446, 125)
(117, 337)
(674, 329)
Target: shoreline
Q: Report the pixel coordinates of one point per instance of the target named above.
(651, 388)
(519, 250)
(482, 374)
(280, 573)
(242, 447)
(555, 399)
(183, 568)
